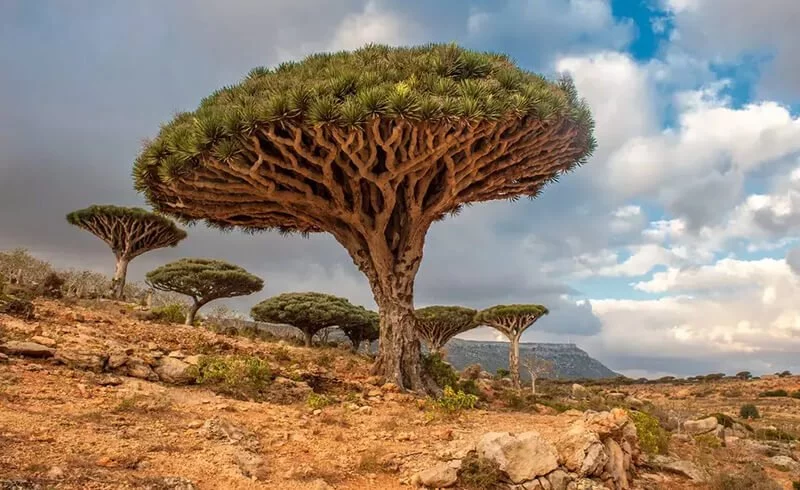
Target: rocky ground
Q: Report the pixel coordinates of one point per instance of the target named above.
(93, 396)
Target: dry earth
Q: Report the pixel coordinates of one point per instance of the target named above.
(69, 425)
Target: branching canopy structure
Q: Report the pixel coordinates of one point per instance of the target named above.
(511, 321)
(309, 312)
(371, 146)
(362, 325)
(438, 324)
(129, 232)
(204, 280)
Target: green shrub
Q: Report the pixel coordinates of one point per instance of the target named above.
(774, 393)
(653, 439)
(18, 307)
(796, 485)
(709, 441)
(502, 373)
(244, 377)
(795, 394)
(453, 402)
(749, 411)
(478, 473)
(442, 373)
(771, 434)
(171, 313)
(316, 401)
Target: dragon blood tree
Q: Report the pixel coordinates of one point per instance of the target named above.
(129, 232)
(438, 324)
(361, 325)
(204, 280)
(371, 146)
(308, 312)
(511, 321)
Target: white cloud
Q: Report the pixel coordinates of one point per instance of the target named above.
(372, 25)
(765, 29)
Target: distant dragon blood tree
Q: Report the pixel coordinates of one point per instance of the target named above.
(511, 321)
(371, 146)
(308, 312)
(204, 280)
(362, 325)
(438, 324)
(129, 232)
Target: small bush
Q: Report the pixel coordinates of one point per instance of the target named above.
(502, 373)
(478, 473)
(451, 403)
(795, 394)
(771, 434)
(51, 286)
(325, 360)
(773, 393)
(784, 374)
(796, 485)
(471, 372)
(653, 439)
(18, 307)
(281, 354)
(752, 478)
(442, 373)
(709, 441)
(242, 377)
(315, 401)
(171, 313)
(749, 411)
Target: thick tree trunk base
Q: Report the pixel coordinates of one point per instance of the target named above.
(118, 282)
(399, 357)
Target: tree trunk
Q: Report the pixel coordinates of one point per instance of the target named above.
(118, 283)
(308, 337)
(513, 360)
(533, 384)
(192, 312)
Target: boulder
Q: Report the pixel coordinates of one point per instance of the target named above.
(679, 467)
(615, 466)
(77, 359)
(46, 341)
(116, 361)
(522, 456)
(579, 392)
(785, 462)
(559, 480)
(173, 370)
(701, 426)
(443, 475)
(137, 368)
(26, 349)
(581, 451)
(606, 424)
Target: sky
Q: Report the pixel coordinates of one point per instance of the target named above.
(672, 251)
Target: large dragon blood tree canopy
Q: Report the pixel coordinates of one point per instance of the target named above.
(371, 146)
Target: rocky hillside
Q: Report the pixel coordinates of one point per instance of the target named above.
(570, 361)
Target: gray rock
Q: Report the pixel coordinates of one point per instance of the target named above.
(90, 361)
(46, 341)
(559, 479)
(522, 456)
(701, 426)
(116, 361)
(615, 466)
(785, 462)
(137, 368)
(581, 451)
(26, 349)
(174, 371)
(678, 466)
(252, 465)
(443, 475)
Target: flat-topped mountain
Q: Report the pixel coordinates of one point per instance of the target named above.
(569, 361)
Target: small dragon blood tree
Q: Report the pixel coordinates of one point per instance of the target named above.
(129, 232)
(203, 280)
(438, 324)
(511, 321)
(372, 146)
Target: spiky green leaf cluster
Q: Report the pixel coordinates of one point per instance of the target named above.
(310, 312)
(506, 312)
(433, 82)
(459, 315)
(81, 216)
(204, 279)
